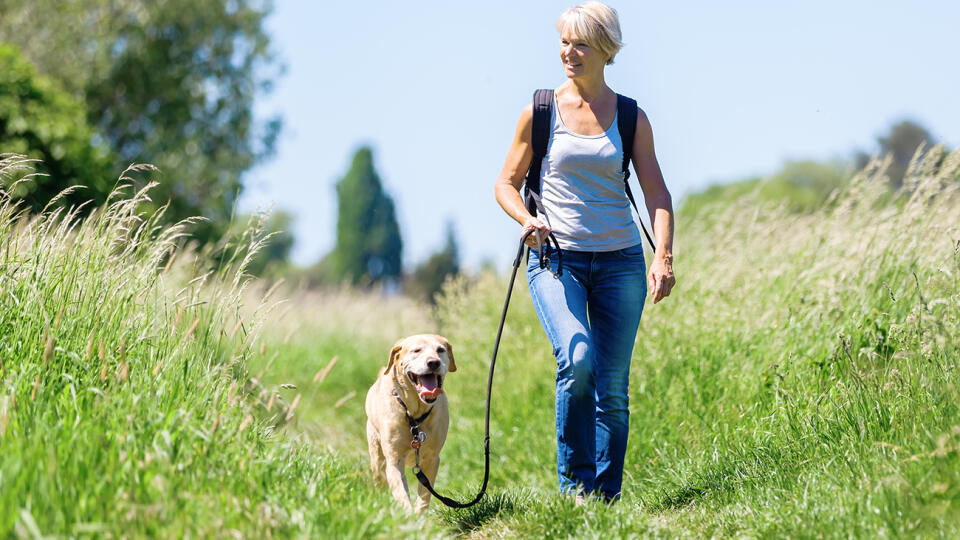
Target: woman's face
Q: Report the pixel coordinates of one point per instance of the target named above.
(579, 59)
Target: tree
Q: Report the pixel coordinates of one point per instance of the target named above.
(40, 120)
(369, 245)
(901, 142)
(429, 276)
(169, 82)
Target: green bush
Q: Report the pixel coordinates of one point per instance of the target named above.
(41, 121)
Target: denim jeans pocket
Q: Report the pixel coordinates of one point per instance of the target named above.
(632, 253)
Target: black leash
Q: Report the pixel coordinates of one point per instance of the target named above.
(419, 436)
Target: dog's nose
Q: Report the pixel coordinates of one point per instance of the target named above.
(433, 364)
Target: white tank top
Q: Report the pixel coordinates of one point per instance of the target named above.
(581, 185)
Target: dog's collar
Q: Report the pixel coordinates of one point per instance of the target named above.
(414, 422)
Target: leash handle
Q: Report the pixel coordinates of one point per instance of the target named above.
(544, 254)
(421, 477)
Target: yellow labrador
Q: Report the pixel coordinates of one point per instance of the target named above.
(409, 391)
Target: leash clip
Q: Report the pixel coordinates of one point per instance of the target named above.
(418, 437)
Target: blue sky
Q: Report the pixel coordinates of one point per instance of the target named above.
(732, 89)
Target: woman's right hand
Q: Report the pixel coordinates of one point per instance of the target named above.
(541, 228)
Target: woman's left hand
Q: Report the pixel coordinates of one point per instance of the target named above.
(661, 280)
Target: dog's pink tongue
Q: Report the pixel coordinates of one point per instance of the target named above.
(428, 385)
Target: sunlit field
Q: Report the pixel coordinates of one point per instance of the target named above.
(801, 381)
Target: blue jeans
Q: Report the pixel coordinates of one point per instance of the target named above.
(591, 314)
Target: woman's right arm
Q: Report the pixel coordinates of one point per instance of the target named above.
(507, 188)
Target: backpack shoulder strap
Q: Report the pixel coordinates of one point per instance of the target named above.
(540, 136)
(627, 126)
(542, 112)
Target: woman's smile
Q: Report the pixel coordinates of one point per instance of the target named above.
(577, 56)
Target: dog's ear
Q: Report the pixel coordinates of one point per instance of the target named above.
(394, 354)
(446, 344)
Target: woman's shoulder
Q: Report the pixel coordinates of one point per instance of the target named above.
(526, 116)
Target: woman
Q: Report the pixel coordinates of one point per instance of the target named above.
(592, 310)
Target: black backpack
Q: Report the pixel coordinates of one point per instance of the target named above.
(542, 113)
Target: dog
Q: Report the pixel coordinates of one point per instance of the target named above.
(409, 389)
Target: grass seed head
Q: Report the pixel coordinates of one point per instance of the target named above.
(246, 422)
(216, 423)
(293, 406)
(344, 399)
(48, 349)
(322, 374)
(236, 328)
(270, 401)
(193, 326)
(230, 392)
(59, 317)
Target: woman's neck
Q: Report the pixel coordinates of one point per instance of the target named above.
(589, 88)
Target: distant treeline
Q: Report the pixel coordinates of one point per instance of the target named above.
(806, 185)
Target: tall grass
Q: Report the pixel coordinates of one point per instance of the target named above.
(800, 381)
(125, 405)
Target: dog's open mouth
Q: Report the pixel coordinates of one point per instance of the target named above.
(428, 386)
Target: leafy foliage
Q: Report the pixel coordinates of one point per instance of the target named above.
(902, 141)
(428, 277)
(369, 245)
(40, 120)
(170, 83)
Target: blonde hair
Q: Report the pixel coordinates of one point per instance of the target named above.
(597, 24)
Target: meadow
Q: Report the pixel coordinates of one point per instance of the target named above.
(801, 381)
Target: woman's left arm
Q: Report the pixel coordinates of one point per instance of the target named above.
(660, 280)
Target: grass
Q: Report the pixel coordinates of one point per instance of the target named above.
(800, 382)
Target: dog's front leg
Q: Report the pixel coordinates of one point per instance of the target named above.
(429, 466)
(397, 480)
(377, 461)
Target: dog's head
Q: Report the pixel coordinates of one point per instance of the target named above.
(423, 361)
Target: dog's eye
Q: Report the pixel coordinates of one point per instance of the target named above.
(441, 350)
(418, 349)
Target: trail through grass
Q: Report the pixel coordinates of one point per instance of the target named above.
(801, 381)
